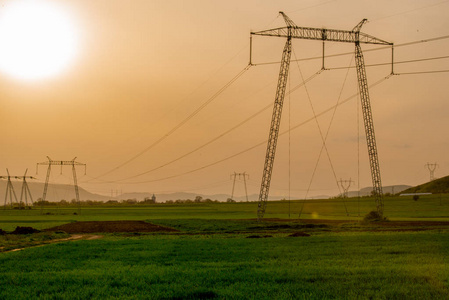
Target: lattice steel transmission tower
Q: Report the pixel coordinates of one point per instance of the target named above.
(244, 175)
(9, 190)
(431, 168)
(345, 185)
(61, 163)
(25, 189)
(347, 36)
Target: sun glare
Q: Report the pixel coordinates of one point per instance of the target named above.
(37, 39)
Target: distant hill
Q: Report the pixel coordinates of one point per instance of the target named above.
(192, 196)
(55, 192)
(437, 186)
(392, 189)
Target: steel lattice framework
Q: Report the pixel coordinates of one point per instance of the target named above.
(9, 189)
(333, 35)
(274, 128)
(61, 163)
(25, 189)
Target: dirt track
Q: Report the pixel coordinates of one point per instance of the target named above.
(75, 237)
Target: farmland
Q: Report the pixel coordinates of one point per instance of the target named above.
(219, 250)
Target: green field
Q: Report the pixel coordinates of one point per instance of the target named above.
(429, 207)
(212, 257)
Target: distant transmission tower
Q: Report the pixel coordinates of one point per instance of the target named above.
(25, 189)
(61, 163)
(345, 185)
(431, 168)
(9, 190)
(244, 175)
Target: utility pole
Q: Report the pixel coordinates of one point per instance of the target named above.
(244, 175)
(61, 163)
(321, 34)
(431, 168)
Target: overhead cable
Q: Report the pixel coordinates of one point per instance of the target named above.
(253, 147)
(367, 50)
(179, 125)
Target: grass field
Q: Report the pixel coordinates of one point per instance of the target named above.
(429, 207)
(344, 265)
(212, 255)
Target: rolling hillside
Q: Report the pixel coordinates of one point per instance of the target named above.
(55, 192)
(436, 186)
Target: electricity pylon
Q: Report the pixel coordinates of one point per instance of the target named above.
(25, 189)
(61, 163)
(244, 181)
(432, 168)
(321, 34)
(345, 185)
(9, 190)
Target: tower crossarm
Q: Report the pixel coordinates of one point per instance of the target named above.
(61, 162)
(322, 34)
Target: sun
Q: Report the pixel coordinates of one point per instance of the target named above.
(38, 39)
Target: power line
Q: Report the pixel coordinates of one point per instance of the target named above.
(368, 50)
(423, 72)
(411, 10)
(240, 124)
(396, 62)
(217, 137)
(327, 134)
(323, 139)
(312, 6)
(179, 125)
(253, 147)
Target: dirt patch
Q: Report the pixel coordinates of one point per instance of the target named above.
(111, 227)
(299, 234)
(258, 236)
(24, 230)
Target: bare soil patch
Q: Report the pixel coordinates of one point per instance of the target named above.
(111, 227)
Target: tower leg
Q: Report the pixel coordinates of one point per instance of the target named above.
(369, 129)
(246, 190)
(274, 129)
(44, 195)
(233, 186)
(75, 182)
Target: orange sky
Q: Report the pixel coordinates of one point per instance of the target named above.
(144, 66)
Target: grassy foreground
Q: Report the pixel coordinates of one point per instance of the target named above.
(212, 257)
(345, 265)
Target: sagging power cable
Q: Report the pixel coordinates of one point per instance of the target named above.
(255, 146)
(368, 50)
(179, 125)
(217, 137)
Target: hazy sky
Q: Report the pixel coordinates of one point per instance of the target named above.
(140, 68)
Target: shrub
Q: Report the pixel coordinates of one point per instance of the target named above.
(374, 216)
